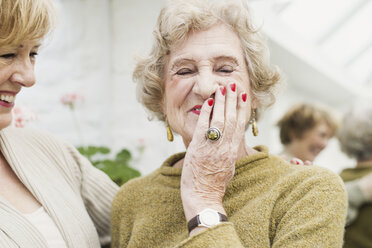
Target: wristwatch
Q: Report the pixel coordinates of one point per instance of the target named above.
(206, 218)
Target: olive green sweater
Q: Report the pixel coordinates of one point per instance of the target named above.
(269, 203)
(359, 233)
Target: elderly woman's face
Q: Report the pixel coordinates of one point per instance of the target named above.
(16, 71)
(198, 67)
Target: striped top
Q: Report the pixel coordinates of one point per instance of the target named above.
(75, 195)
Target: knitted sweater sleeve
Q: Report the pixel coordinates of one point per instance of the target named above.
(311, 211)
(220, 236)
(356, 199)
(97, 191)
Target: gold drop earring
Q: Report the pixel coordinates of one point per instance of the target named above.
(254, 123)
(169, 132)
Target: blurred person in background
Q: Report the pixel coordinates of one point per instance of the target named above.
(355, 137)
(208, 77)
(305, 130)
(50, 196)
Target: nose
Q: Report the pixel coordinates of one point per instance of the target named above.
(23, 74)
(205, 85)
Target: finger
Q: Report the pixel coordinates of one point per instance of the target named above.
(296, 161)
(241, 118)
(218, 115)
(230, 112)
(307, 162)
(203, 121)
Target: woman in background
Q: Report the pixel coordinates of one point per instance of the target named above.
(305, 130)
(50, 196)
(207, 77)
(355, 137)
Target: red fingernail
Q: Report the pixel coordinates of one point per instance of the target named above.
(223, 90)
(244, 97)
(233, 86)
(210, 102)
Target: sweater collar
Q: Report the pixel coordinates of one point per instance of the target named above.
(249, 161)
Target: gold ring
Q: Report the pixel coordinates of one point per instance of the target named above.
(213, 133)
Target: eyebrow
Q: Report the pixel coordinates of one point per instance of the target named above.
(230, 58)
(36, 46)
(181, 61)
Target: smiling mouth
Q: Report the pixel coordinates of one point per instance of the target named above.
(196, 109)
(315, 151)
(7, 98)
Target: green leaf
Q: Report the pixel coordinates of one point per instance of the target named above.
(123, 157)
(118, 169)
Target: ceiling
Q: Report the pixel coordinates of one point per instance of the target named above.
(331, 38)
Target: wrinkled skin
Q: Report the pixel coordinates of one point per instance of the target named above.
(208, 66)
(210, 164)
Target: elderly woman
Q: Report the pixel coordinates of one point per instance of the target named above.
(50, 196)
(207, 77)
(305, 130)
(355, 137)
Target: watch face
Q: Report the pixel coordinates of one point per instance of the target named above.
(209, 217)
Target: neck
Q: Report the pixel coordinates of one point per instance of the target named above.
(291, 150)
(245, 150)
(3, 162)
(289, 155)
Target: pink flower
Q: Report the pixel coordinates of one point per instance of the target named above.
(70, 99)
(22, 116)
(141, 141)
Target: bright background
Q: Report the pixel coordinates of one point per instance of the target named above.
(324, 47)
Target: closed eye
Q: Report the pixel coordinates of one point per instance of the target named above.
(226, 69)
(33, 54)
(7, 56)
(184, 71)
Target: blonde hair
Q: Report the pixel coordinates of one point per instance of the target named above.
(303, 117)
(175, 22)
(22, 20)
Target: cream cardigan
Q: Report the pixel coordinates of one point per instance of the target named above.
(76, 195)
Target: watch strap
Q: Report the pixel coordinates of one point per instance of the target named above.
(195, 221)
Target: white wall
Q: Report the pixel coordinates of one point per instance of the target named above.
(92, 53)
(133, 22)
(76, 59)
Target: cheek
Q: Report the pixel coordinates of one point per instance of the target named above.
(176, 93)
(3, 74)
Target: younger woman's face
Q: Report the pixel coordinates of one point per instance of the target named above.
(16, 71)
